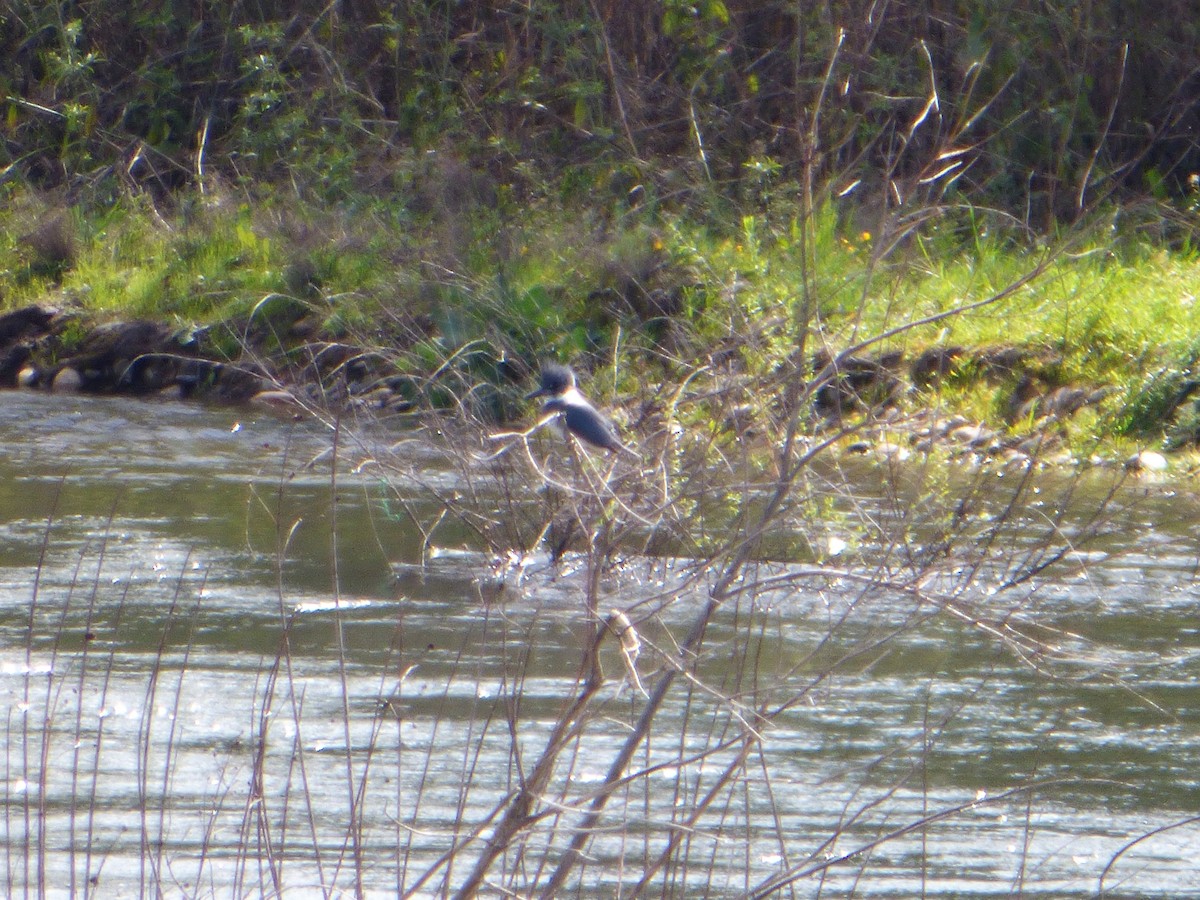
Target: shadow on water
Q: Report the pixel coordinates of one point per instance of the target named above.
(223, 676)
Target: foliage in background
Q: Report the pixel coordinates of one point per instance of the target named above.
(1056, 102)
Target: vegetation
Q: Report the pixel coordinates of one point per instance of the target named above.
(1056, 102)
(764, 232)
(658, 179)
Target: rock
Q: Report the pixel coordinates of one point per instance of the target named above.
(1146, 461)
(276, 399)
(1038, 444)
(934, 364)
(67, 381)
(28, 377)
(946, 426)
(1015, 459)
(892, 452)
(26, 322)
(972, 435)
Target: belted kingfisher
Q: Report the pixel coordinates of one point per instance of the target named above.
(578, 415)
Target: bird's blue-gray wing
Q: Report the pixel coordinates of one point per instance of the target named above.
(590, 425)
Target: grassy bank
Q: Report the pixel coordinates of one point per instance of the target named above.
(640, 294)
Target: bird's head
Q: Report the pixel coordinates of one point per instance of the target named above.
(555, 380)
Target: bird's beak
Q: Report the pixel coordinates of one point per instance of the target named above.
(533, 395)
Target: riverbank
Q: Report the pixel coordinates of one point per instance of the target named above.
(883, 405)
(953, 338)
(961, 334)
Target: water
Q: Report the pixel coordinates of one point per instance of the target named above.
(224, 674)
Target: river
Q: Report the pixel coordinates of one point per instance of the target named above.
(226, 671)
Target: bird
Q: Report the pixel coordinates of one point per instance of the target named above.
(577, 414)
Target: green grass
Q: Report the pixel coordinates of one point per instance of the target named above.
(1106, 312)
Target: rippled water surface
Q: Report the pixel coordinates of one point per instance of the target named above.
(227, 672)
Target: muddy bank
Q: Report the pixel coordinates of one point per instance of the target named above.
(44, 349)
